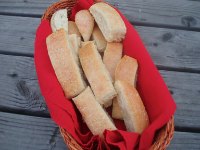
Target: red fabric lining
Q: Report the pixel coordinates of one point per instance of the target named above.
(155, 95)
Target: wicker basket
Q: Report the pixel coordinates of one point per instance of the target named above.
(163, 136)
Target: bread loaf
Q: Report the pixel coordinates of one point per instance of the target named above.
(109, 21)
(93, 114)
(112, 56)
(133, 110)
(85, 23)
(64, 64)
(99, 39)
(126, 70)
(59, 20)
(97, 74)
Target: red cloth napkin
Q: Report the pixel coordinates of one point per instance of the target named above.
(153, 91)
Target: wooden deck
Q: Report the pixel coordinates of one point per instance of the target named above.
(171, 32)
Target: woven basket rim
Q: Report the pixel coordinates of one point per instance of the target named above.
(161, 140)
(164, 135)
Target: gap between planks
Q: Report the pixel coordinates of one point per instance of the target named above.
(27, 132)
(171, 50)
(179, 14)
(159, 67)
(22, 92)
(134, 23)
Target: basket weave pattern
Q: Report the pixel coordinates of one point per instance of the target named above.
(163, 136)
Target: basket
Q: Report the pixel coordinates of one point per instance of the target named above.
(163, 136)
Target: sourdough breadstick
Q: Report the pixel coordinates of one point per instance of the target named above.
(59, 20)
(133, 110)
(126, 70)
(64, 64)
(93, 114)
(99, 39)
(72, 28)
(97, 74)
(112, 56)
(85, 23)
(109, 21)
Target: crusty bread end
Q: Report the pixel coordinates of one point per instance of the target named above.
(85, 23)
(59, 20)
(93, 114)
(133, 110)
(99, 39)
(96, 74)
(112, 56)
(64, 64)
(109, 22)
(127, 70)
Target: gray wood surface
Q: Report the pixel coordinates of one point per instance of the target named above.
(178, 13)
(170, 13)
(36, 133)
(29, 133)
(24, 118)
(185, 141)
(19, 86)
(17, 34)
(169, 48)
(186, 92)
(172, 48)
(19, 90)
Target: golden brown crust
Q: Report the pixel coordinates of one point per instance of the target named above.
(85, 23)
(72, 28)
(112, 56)
(96, 74)
(109, 21)
(93, 114)
(99, 39)
(127, 70)
(64, 64)
(133, 110)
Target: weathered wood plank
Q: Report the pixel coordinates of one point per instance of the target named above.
(18, 34)
(168, 47)
(185, 91)
(185, 141)
(19, 81)
(19, 90)
(22, 132)
(180, 13)
(172, 48)
(25, 7)
(19, 85)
